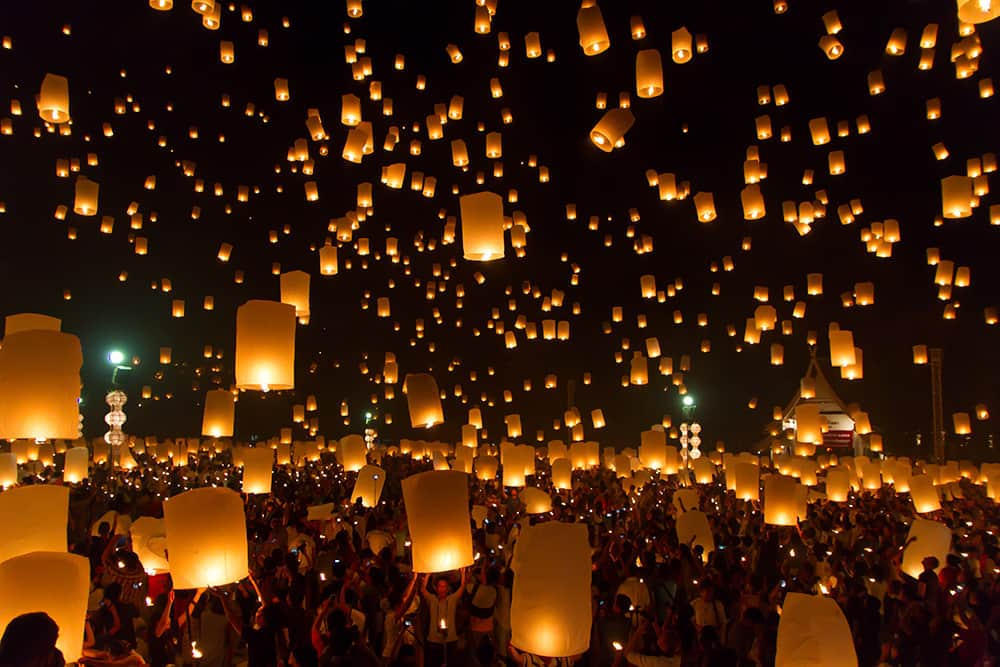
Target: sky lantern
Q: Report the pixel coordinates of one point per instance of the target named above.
(956, 197)
(680, 45)
(28, 321)
(34, 519)
(328, 260)
(648, 74)
(437, 513)
(486, 467)
(562, 474)
(638, 369)
(704, 204)
(693, 529)
(593, 35)
(933, 538)
(40, 385)
(837, 484)
(423, 399)
(482, 226)
(258, 464)
(53, 99)
(368, 485)
(207, 538)
(218, 416)
(149, 538)
(746, 480)
(535, 500)
(85, 202)
(807, 423)
(77, 465)
(295, 291)
(55, 583)
(962, 423)
(841, 348)
(977, 11)
(924, 495)
(780, 508)
(812, 630)
(265, 346)
(611, 129)
(352, 452)
(550, 603)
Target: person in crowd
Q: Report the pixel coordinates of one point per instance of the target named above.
(341, 590)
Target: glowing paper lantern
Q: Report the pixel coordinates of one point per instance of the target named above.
(838, 484)
(77, 465)
(693, 529)
(653, 449)
(437, 513)
(55, 583)
(85, 200)
(704, 471)
(611, 129)
(686, 500)
(648, 73)
(956, 197)
(352, 452)
(924, 495)
(149, 539)
(550, 602)
(28, 321)
(206, 531)
(842, 348)
(8, 470)
(680, 45)
(808, 428)
(258, 464)
(295, 291)
(328, 260)
(482, 226)
(368, 485)
(219, 414)
(977, 11)
(486, 467)
(423, 399)
(34, 519)
(932, 539)
(593, 34)
(53, 99)
(962, 423)
(562, 474)
(812, 631)
(40, 385)
(536, 501)
(265, 345)
(747, 480)
(780, 506)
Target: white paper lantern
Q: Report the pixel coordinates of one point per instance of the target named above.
(550, 603)
(51, 582)
(206, 531)
(437, 513)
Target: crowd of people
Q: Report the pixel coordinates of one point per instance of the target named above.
(340, 591)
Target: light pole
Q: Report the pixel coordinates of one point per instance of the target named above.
(688, 406)
(116, 399)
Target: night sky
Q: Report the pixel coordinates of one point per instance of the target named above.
(168, 65)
